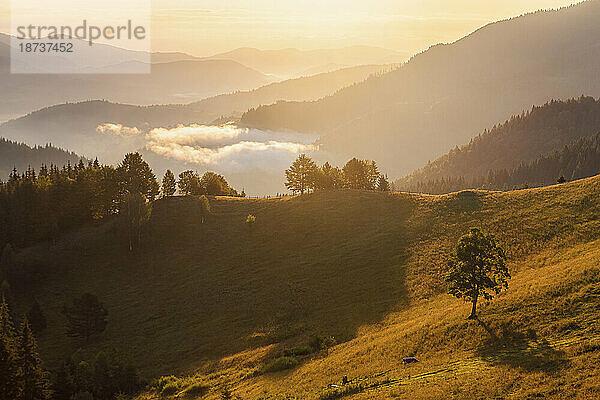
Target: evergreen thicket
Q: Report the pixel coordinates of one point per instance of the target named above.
(22, 376)
(41, 205)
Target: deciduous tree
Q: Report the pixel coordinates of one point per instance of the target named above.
(477, 269)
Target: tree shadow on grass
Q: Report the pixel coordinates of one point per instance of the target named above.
(506, 345)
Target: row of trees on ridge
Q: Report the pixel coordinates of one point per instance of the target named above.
(304, 176)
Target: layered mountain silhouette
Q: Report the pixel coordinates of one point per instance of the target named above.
(174, 78)
(291, 63)
(449, 93)
(73, 125)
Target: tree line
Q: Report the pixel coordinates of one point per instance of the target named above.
(305, 176)
(20, 155)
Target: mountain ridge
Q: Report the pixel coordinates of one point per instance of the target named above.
(517, 143)
(442, 97)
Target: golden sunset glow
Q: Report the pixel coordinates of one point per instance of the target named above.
(207, 27)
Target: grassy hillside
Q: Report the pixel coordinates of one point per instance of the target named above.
(220, 299)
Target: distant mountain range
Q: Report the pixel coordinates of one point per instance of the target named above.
(73, 125)
(292, 63)
(176, 77)
(233, 105)
(449, 93)
(531, 149)
(20, 156)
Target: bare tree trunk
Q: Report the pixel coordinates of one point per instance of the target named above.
(474, 308)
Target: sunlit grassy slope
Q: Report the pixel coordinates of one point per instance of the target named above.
(217, 299)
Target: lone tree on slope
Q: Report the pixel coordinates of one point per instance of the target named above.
(478, 268)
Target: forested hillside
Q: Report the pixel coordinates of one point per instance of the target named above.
(579, 159)
(20, 156)
(531, 149)
(449, 93)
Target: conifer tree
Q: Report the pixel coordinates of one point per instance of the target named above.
(383, 184)
(361, 174)
(301, 175)
(32, 377)
(7, 327)
(9, 383)
(168, 184)
(189, 183)
(136, 176)
(9, 386)
(330, 178)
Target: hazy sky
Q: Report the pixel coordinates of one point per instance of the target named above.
(204, 27)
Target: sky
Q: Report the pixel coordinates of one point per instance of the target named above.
(207, 27)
